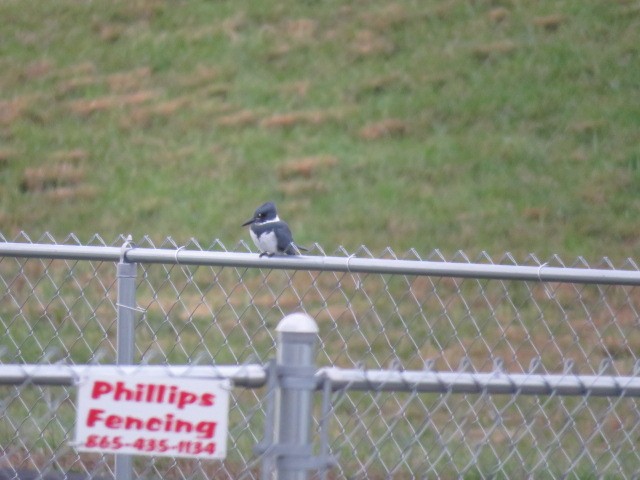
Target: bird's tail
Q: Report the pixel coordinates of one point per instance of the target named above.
(295, 249)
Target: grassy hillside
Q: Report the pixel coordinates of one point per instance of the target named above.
(475, 125)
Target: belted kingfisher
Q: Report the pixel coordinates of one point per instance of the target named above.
(270, 234)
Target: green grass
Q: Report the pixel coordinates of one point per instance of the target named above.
(509, 125)
(430, 124)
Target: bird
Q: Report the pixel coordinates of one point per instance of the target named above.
(270, 234)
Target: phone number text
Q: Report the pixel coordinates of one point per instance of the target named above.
(151, 445)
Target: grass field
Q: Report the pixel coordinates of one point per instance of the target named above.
(490, 125)
(477, 125)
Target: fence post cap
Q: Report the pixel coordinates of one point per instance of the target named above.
(297, 323)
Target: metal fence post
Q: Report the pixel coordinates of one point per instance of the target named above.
(126, 274)
(297, 338)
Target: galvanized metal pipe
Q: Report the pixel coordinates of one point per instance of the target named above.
(126, 344)
(542, 273)
(255, 376)
(492, 382)
(297, 338)
(249, 376)
(126, 303)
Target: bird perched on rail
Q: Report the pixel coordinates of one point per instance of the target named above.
(270, 234)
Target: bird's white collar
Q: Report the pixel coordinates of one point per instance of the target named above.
(276, 219)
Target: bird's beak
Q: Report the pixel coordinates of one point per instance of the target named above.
(248, 222)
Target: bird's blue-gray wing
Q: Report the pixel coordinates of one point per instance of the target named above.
(285, 239)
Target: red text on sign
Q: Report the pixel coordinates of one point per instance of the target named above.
(151, 393)
(151, 445)
(166, 423)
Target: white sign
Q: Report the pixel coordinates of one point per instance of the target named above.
(142, 415)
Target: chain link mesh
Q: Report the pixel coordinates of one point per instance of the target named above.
(62, 310)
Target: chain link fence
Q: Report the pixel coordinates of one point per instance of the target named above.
(63, 310)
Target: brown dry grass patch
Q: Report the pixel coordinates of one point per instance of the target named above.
(265, 300)
(199, 33)
(79, 69)
(297, 174)
(49, 177)
(384, 82)
(61, 181)
(234, 25)
(215, 90)
(128, 81)
(171, 107)
(300, 30)
(587, 126)
(536, 213)
(72, 85)
(195, 309)
(369, 43)
(201, 75)
(298, 187)
(391, 15)
(290, 34)
(390, 127)
(243, 118)
(337, 314)
(38, 69)
(445, 8)
(142, 116)
(300, 89)
(85, 108)
(498, 14)
(579, 155)
(306, 166)
(109, 32)
(75, 192)
(6, 155)
(550, 22)
(74, 156)
(292, 119)
(11, 110)
(494, 49)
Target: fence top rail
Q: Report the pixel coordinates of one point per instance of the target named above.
(541, 273)
(255, 376)
(476, 382)
(249, 375)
